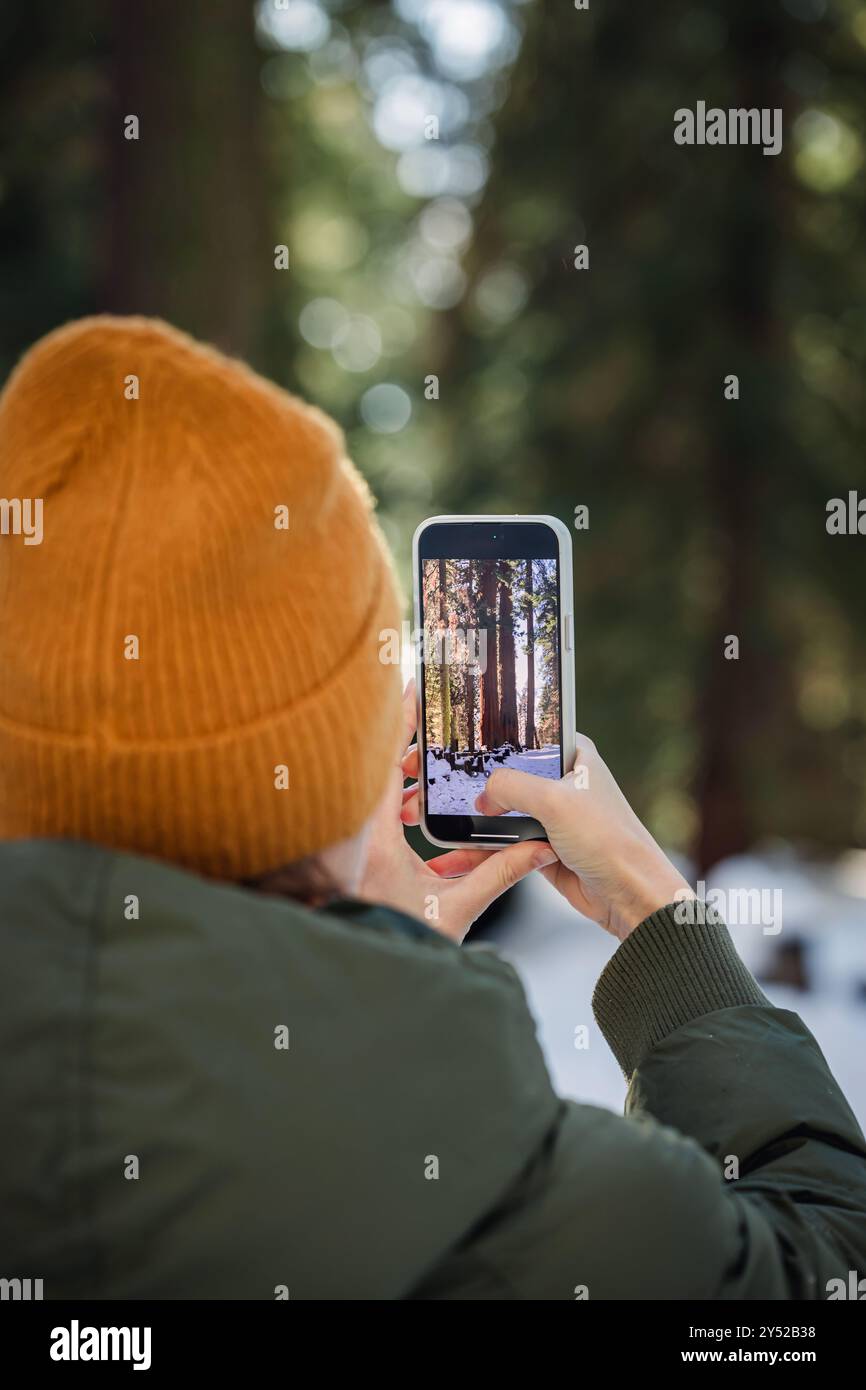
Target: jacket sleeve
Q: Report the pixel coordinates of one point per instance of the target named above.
(738, 1171)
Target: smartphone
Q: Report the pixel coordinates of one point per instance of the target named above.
(494, 624)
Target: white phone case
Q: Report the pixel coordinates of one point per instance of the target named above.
(566, 646)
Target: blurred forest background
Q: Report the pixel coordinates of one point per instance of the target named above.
(431, 166)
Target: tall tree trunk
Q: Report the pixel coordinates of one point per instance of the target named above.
(531, 735)
(509, 728)
(445, 667)
(735, 693)
(489, 688)
(188, 233)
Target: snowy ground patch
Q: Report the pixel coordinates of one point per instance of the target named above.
(452, 791)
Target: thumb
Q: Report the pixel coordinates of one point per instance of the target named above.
(506, 789)
(501, 870)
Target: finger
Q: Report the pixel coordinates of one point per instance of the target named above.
(410, 715)
(497, 873)
(507, 789)
(459, 861)
(571, 888)
(553, 873)
(389, 813)
(583, 749)
(410, 762)
(410, 811)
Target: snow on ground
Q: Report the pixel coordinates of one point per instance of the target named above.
(559, 956)
(453, 793)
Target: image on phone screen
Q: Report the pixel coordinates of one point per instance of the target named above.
(491, 669)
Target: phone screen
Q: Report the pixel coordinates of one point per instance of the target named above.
(491, 665)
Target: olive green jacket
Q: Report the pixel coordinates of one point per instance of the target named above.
(208, 1093)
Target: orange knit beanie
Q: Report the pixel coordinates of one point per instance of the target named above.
(192, 590)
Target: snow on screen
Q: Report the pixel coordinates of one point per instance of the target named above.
(491, 675)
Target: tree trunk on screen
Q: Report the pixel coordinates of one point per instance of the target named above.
(443, 654)
(469, 681)
(531, 735)
(508, 727)
(489, 688)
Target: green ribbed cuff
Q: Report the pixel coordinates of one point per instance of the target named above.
(665, 974)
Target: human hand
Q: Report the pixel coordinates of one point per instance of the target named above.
(452, 890)
(610, 867)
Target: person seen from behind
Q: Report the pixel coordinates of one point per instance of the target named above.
(241, 1055)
